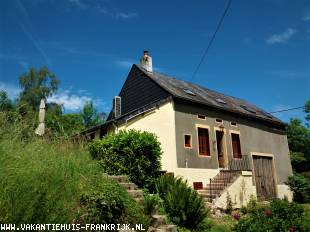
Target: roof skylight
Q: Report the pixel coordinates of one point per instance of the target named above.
(190, 92)
(248, 109)
(219, 100)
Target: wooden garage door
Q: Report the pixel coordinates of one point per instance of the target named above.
(264, 177)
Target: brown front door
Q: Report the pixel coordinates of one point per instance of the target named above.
(264, 177)
(220, 148)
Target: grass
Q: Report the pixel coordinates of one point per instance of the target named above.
(43, 181)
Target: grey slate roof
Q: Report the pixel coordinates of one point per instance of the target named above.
(198, 94)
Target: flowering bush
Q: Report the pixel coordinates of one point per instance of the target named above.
(280, 215)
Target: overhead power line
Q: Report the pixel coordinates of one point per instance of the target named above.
(212, 39)
(295, 108)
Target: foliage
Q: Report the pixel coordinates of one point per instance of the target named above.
(90, 115)
(105, 202)
(299, 143)
(48, 182)
(307, 111)
(300, 185)
(279, 216)
(5, 102)
(132, 153)
(37, 84)
(152, 204)
(182, 203)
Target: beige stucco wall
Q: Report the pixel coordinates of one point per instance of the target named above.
(196, 175)
(161, 122)
(240, 192)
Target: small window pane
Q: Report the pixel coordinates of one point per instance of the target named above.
(187, 141)
(200, 116)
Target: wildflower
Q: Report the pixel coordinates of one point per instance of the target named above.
(292, 229)
(267, 212)
(236, 216)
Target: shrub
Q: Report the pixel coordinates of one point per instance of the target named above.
(105, 202)
(182, 204)
(152, 204)
(280, 215)
(229, 204)
(300, 186)
(132, 153)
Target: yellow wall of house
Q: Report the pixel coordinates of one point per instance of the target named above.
(160, 121)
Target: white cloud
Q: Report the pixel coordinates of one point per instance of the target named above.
(125, 15)
(307, 16)
(12, 90)
(75, 102)
(281, 37)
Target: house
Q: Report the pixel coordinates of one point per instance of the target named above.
(220, 144)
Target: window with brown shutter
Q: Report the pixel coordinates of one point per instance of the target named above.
(235, 140)
(203, 141)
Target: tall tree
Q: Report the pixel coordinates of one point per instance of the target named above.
(90, 114)
(5, 102)
(307, 111)
(37, 84)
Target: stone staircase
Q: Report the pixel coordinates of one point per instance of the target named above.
(158, 222)
(218, 184)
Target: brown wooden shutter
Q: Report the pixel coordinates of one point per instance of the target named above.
(236, 146)
(203, 141)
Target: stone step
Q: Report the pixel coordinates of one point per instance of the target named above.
(164, 228)
(128, 185)
(158, 220)
(119, 179)
(135, 193)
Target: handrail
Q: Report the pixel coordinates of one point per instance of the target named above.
(240, 164)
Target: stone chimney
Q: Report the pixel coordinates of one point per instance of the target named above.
(146, 61)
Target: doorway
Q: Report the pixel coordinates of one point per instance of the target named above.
(264, 177)
(220, 143)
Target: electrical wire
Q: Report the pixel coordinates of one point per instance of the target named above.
(212, 39)
(295, 108)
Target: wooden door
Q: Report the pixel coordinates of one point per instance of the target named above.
(264, 177)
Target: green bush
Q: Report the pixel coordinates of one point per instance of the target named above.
(105, 202)
(300, 186)
(182, 204)
(279, 215)
(152, 204)
(132, 153)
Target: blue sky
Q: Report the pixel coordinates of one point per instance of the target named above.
(261, 53)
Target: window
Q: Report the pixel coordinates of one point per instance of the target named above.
(220, 100)
(188, 141)
(198, 185)
(248, 109)
(200, 116)
(219, 120)
(236, 147)
(233, 123)
(190, 92)
(203, 141)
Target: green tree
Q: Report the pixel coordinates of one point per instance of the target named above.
(299, 143)
(5, 102)
(90, 115)
(307, 111)
(37, 84)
